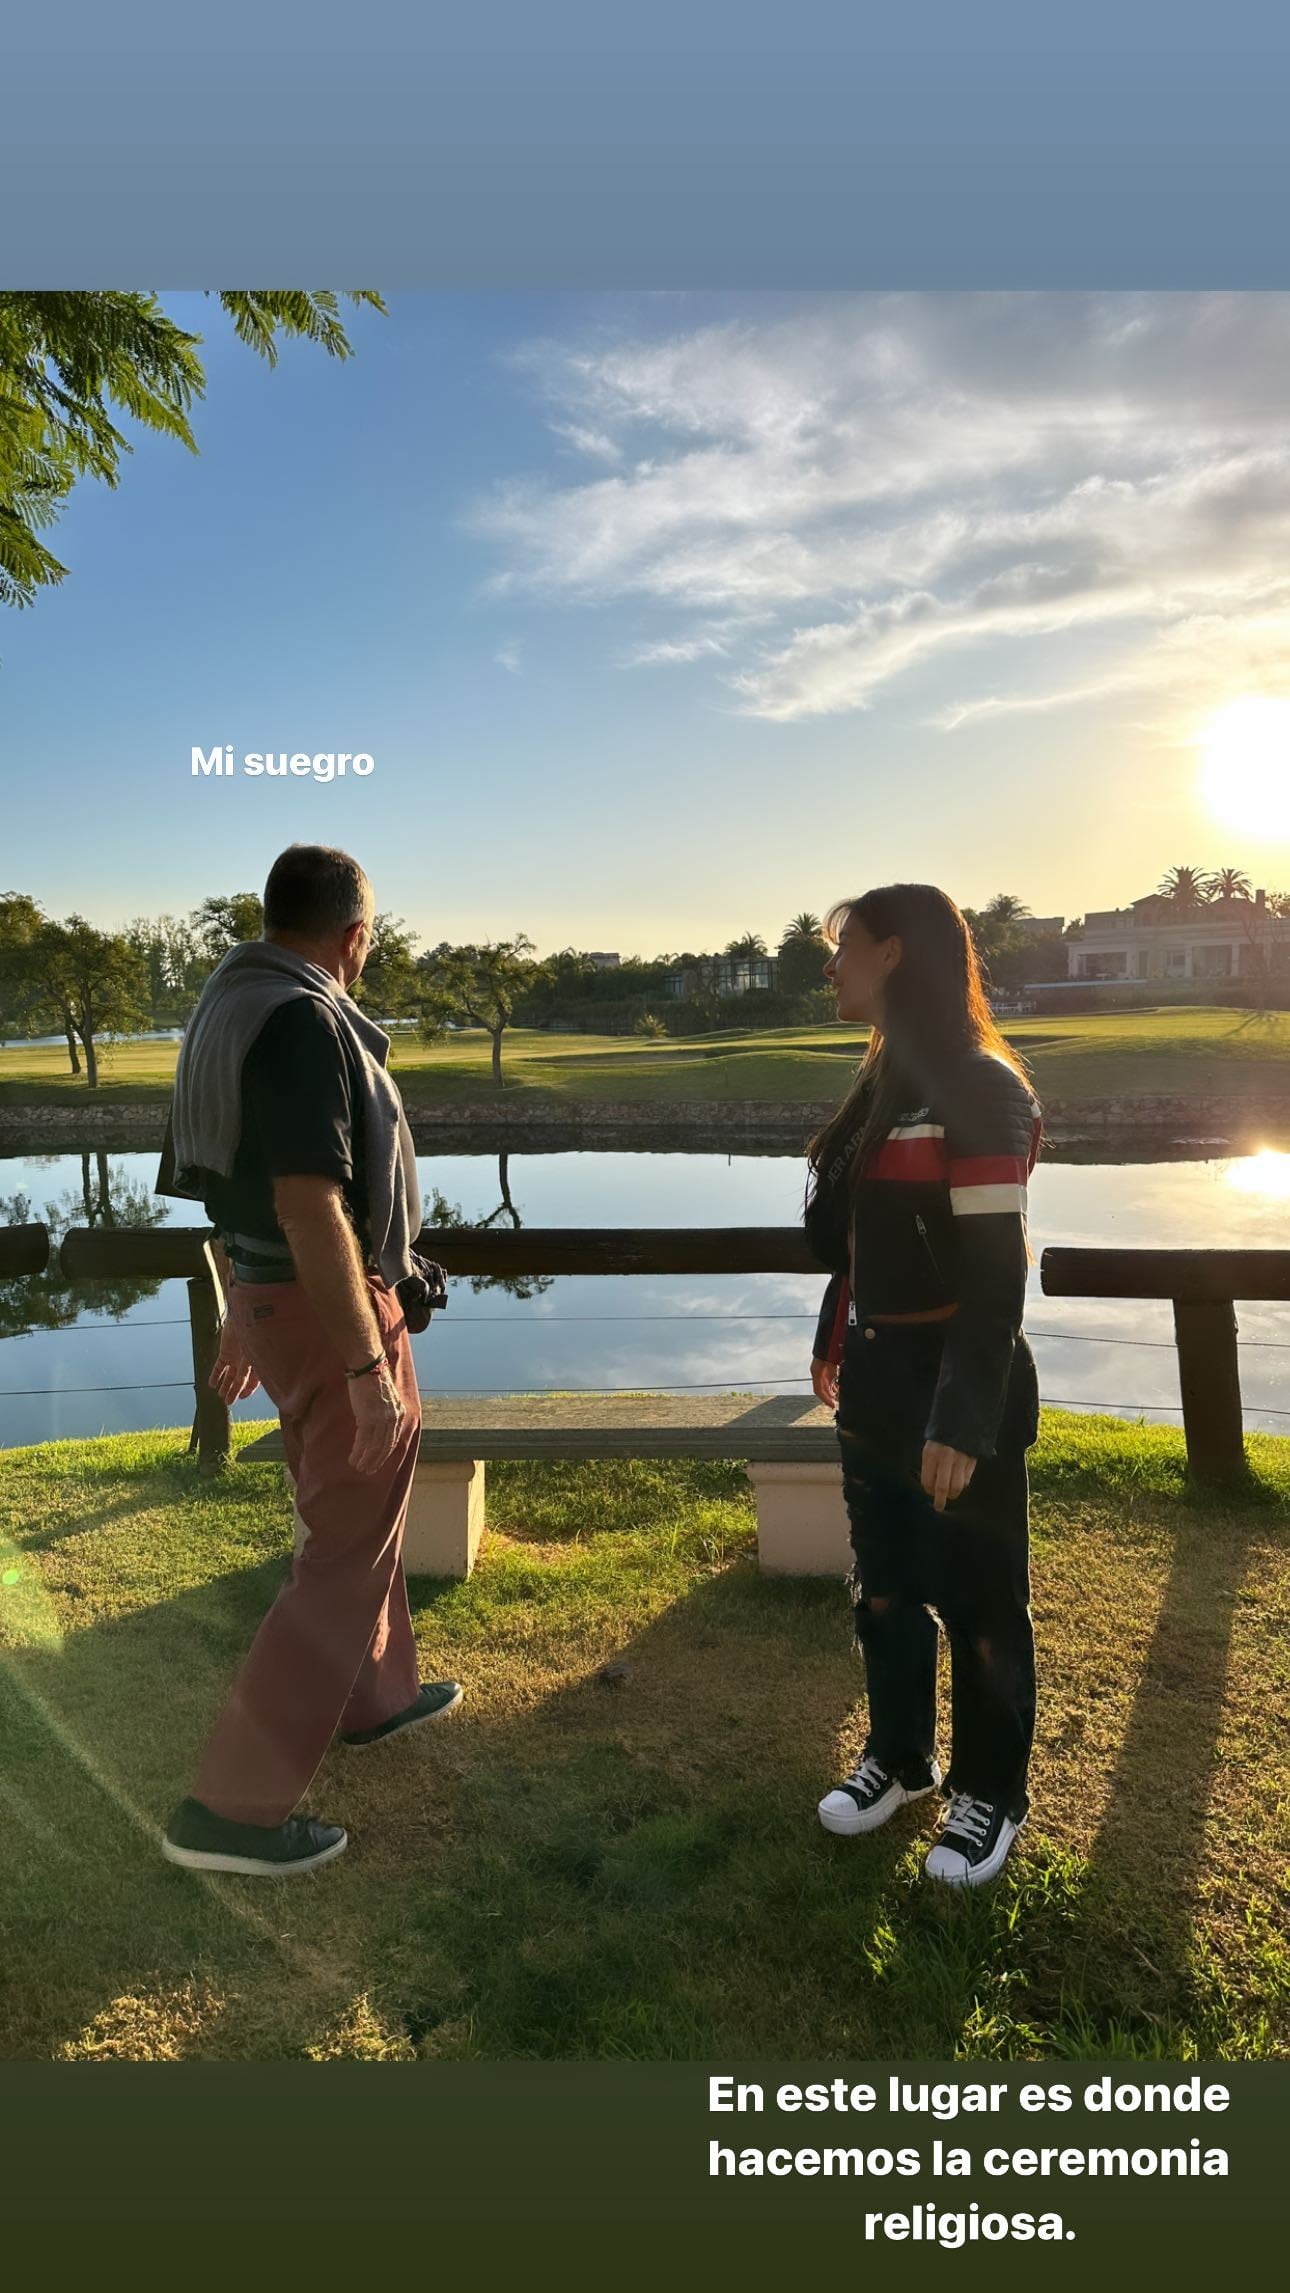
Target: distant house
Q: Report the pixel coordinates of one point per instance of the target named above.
(723, 975)
(604, 962)
(1153, 939)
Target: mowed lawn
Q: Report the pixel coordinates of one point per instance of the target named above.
(571, 1868)
(1169, 1051)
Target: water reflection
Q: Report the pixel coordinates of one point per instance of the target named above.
(747, 1331)
(105, 1197)
(1267, 1172)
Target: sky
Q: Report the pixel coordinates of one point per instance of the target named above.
(667, 616)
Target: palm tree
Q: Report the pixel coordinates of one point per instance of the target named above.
(1005, 909)
(746, 949)
(1231, 884)
(66, 357)
(1188, 888)
(803, 931)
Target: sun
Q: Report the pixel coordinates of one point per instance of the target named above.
(1245, 776)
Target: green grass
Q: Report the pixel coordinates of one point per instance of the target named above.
(1202, 1051)
(572, 1869)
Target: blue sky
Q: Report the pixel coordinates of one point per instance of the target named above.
(666, 616)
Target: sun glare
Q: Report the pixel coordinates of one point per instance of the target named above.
(1245, 776)
(1267, 1172)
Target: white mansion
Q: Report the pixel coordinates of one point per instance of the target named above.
(1154, 939)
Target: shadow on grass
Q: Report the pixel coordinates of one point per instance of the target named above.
(1147, 1857)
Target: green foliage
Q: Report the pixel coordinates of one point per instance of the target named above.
(391, 985)
(66, 358)
(20, 922)
(172, 956)
(225, 920)
(802, 957)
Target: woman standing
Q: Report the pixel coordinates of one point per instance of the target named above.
(917, 1200)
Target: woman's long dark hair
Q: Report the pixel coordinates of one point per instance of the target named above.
(934, 1009)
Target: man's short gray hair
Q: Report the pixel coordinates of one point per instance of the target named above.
(316, 890)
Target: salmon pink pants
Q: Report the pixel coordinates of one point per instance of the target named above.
(336, 1649)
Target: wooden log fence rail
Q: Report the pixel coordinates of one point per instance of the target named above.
(1202, 1286)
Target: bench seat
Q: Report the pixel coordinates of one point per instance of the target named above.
(787, 1442)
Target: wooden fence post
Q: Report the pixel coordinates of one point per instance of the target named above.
(1210, 1380)
(212, 1427)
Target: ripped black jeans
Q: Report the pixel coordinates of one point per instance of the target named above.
(970, 1563)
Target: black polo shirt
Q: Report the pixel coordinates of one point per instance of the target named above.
(302, 1117)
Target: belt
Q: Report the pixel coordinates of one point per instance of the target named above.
(933, 1314)
(255, 1258)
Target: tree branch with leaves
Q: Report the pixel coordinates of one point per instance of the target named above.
(66, 359)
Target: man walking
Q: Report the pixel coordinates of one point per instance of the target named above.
(288, 1127)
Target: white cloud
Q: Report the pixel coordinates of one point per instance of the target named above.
(508, 657)
(594, 443)
(671, 650)
(861, 487)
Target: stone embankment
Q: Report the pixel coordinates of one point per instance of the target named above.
(1171, 1120)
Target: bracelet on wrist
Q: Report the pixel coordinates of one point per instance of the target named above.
(376, 1362)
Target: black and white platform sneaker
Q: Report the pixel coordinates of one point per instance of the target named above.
(869, 1795)
(974, 1844)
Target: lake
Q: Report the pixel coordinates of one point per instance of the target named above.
(107, 1371)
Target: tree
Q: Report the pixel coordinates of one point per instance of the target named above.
(747, 949)
(171, 954)
(1231, 884)
(1188, 888)
(96, 980)
(480, 984)
(803, 927)
(20, 919)
(390, 984)
(803, 953)
(66, 357)
(1001, 939)
(227, 919)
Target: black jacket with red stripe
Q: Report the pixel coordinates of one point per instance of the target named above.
(940, 1218)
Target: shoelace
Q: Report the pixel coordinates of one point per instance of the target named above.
(970, 1817)
(868, 1776)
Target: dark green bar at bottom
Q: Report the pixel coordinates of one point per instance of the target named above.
(603, 2169)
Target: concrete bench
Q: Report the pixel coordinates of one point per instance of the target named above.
(788, 1445)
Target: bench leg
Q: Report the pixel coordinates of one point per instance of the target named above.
(802, 1527)
(445, 1517)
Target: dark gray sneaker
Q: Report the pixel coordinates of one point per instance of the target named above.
(202, 1841)
(435, 1700)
